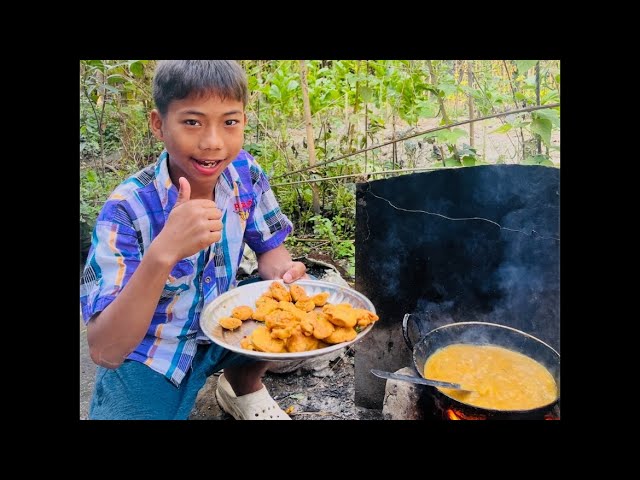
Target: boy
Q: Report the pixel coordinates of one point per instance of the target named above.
(168, 241)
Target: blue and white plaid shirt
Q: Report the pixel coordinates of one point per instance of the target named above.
(134, 215)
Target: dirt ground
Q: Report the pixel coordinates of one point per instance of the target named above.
(302, 394)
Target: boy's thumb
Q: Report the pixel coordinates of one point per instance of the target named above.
(184, 192)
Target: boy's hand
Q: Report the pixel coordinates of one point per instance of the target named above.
(192, 225)
(296, 271)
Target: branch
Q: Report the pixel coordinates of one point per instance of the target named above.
(464, 122)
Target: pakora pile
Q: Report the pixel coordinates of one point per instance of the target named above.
(297, 322)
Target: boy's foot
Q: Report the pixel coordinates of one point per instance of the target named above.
(253, 406)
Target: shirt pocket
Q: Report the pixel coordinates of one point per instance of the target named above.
(179, 281)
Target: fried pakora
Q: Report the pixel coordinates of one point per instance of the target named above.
(263, 341)
(230, 323)
(243, 312)
(297, 322)
(298, 293)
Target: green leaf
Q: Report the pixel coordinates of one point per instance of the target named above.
(451, 162)
(537, 160)
(524, 65)
(447, 88)
(503, 129)
(542, 127)
(274, 91)
(467, 151)
(427, 109)
(113, 90)
(550, 114)
(447, 136)
(550, 97)
(92, 176)
(468, 161)
(366, 93)
(455, 134)
(115, 78)
(297, 396)
(136, 68)
(292, 85)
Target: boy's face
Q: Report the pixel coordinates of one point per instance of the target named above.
(202, 134)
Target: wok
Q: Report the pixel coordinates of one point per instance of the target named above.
(483, 333)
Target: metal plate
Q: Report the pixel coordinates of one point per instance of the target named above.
(248, 294)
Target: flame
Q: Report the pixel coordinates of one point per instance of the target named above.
(453, 414)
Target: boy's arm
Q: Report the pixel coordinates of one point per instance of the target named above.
(115, 332)
(277, 263)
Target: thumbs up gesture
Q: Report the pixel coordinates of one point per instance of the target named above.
(192, 225)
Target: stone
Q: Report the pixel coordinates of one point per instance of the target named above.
(402, 399)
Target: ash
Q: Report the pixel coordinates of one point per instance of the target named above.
(305, 393)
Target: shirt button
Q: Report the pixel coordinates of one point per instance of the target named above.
(207, 279)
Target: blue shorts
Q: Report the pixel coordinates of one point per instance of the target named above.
(134, 391)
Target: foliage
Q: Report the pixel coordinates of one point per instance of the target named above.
(354, 104)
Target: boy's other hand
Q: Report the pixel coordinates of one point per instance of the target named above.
(296, 271)
(192, 225)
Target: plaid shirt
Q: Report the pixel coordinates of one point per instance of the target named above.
(134, 215)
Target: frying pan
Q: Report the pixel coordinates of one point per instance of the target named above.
(483, 333)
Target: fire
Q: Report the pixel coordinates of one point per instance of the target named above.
(453, 414)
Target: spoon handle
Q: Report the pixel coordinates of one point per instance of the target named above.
(412, 379)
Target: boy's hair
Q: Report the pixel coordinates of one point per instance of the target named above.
(177, 79)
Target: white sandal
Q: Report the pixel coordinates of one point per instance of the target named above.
(253, 406)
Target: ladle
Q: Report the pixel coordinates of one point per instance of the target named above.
(418, 380)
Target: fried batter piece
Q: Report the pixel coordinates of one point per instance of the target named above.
(320, 326)
(281, 333)
(242, 312)
(260, 314)
(279, 292)
(306, 326)
(365, 317)
(264, 301)
(280, 319)
(341, 334)
(230, 323)
(291, 308)
(305, 305)
(263, 342)
(246, 343)
(298, 342)
(298, 293)
(341, 314)
(320, 299)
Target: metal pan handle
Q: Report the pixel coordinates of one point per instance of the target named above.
(405, 331)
